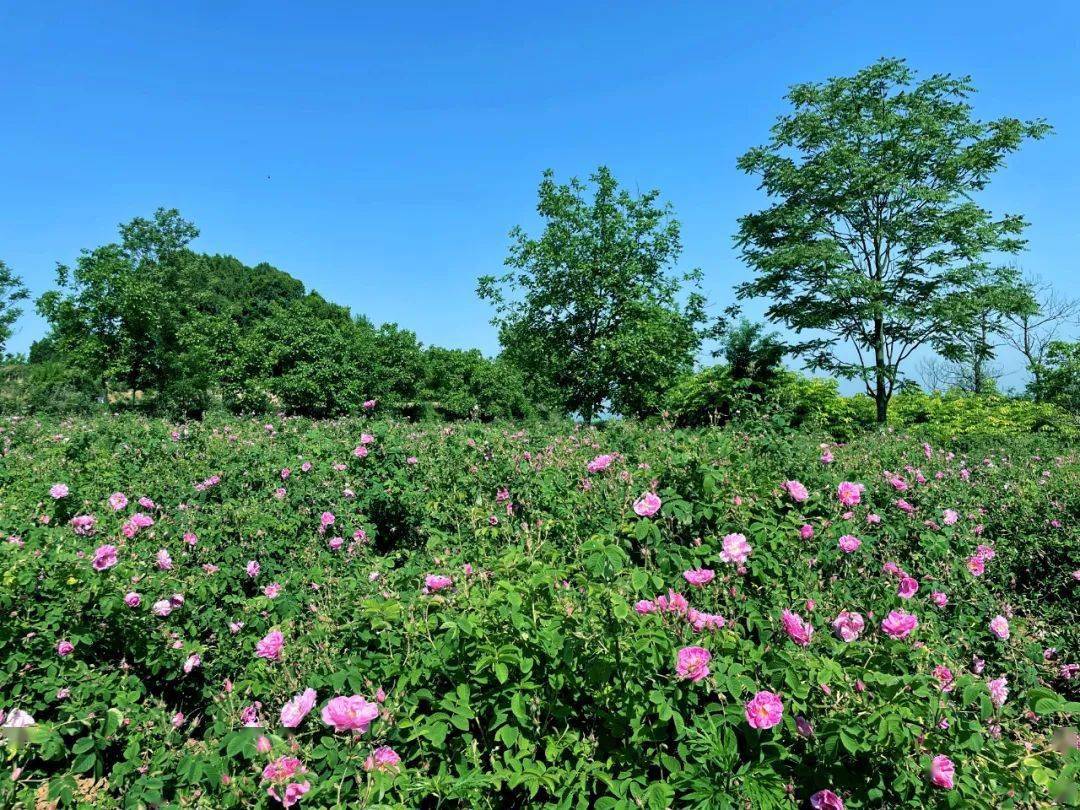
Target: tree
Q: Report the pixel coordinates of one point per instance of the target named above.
(752, 354)
(1058, 380)
(118, 310)
(589, 309)
(990, 302)
(11, 292)
(1038, 325)
(874, 238)
(463, 384)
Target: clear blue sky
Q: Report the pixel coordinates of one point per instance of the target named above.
(381, 152)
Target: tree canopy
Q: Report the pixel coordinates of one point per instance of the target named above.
(591, 310)
(874, 238)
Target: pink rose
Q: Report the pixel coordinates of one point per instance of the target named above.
(849, 543)
(383, 758)
(798, 630)
(942, 772)
(764, 710)
(999, 626)
(350, 714)
(907, 587)
(693, 663)
(899, 624)
(699, 577)
(270, 646)
(647, 505)
(293, 712)
(848, 625)
(849, 494)
(796, 491)
(105, 557)
(826, 800)
(735, 549)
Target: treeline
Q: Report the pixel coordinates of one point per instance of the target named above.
(148, 323)
(871, 249)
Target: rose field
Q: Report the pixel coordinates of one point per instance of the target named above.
(369, 612)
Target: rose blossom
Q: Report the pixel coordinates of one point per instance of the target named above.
(907, 587)
(349, 713)
(942, 772)
(699, 577)
(693, 663)
(764, 710)
(796, 491)
(105, 557)
(647, 505)
(849, 494)
(848, 625)
(798, 630)
(826, 800)
(849, 543)
(383, 758)
(293, 712)
(999, 690)
(999, 625)
(735, 549)
(899, 624)
(270, 646)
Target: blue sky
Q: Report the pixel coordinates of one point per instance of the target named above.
(381, 152)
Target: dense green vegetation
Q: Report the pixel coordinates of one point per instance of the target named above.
(493, 594)
(260, 550)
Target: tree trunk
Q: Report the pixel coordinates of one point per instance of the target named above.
(881, 396)
(978, 378)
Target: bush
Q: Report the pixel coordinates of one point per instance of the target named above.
(552, 668)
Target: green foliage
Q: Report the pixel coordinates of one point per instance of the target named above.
(532, 680)
(12, 291)
(875, 238)
(589, 309)
(47, 387)
(1058, 380)
(460, 384)
(981, 420)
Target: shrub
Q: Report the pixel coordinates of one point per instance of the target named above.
(509, 612)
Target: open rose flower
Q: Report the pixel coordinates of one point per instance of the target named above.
(647, 505)
(826, 800)
(281, 773)
(699, 577)
(796, 491)
(764, 710)
(849, 543)
(105, 557)
(383, 758)
(849, 493)
(692, 663)
(942, 772)
(999, 626)
(798, 630)
(270, 646)
(735, 549)
(848, 626)
(899, 624)
(350, 714)
(293, 712)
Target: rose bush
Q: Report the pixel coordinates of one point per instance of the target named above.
(229, 612)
